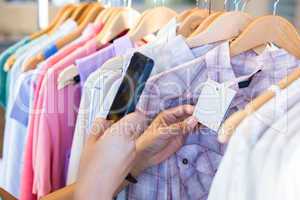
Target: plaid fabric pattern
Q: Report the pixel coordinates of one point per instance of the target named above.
(188, 174)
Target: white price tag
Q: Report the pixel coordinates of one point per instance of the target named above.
(213, 103)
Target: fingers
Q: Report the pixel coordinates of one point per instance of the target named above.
(131, 126)
(180, 128)
(176, 114)
(100, 125)
(173, 146)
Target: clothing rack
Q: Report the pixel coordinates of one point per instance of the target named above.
(76, 60)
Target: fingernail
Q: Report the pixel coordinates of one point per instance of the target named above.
(191, 122)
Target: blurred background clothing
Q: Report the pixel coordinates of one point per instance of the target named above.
(23, 14)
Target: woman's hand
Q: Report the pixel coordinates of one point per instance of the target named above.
(113, 151)
(108, 156)
(164, 137)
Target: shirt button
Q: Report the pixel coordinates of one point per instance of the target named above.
(185, 161)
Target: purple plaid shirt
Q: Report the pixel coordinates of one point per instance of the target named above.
(188, 174)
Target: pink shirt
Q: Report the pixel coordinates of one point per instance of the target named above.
(29, 187)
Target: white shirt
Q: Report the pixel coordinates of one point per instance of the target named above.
(232, 178)
(275, 139)
(287, 185)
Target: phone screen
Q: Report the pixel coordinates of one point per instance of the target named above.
(131, 88)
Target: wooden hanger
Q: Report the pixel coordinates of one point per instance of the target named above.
(11, 60)
(32, 63)
(53, 22)
(119, 24)
(230, 125)
(124, 20)
(144, 14)
(78, 11)
(104, 15)
(82, 16)
(182, 16)
(5, 195)
(90, 17)
(205, 23)
(66, 77)
(111, 15)
(154, 20)
(191, 22)
(66, 15)
(141, 18)
(268, 29)
(225, 27)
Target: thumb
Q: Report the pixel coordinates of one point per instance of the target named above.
(181, 128)
(99, 126)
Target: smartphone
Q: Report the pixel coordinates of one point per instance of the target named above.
(131, 88)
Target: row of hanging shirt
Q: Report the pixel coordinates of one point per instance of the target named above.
(61, 79)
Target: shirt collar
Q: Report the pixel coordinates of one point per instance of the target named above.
(221, 67)
(275, 63)
(122, 44)
(271, 60)
(181, 52)
(276, 59)
(169, 30)
(218, 63)
(167, 52)
(202, 50)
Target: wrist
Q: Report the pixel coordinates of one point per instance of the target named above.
(140, 164)
(136, 171)
(106, 197)
(106, 193)
(106, 186)
(93, 192)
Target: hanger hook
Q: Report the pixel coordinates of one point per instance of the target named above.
(275, 6)
(202, 4)
(128, 3)
(105, 2)
(109, 3)
(237, 4)
(198, 3)
(158, 3)
(245, 5)
(209, 6)
(225, 5)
